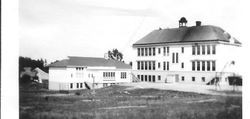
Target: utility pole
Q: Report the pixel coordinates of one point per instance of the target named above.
(93, 94)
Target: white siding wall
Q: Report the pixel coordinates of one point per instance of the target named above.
(56, 76)
(224, 54)
(62, 78)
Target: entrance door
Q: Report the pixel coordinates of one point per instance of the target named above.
(176, 78)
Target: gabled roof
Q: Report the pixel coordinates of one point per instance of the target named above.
(90, 61)
(42, 74)
(186, 34)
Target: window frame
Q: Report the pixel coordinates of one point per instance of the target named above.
(203, 79)
(208, 66)
(193, 66)
(193, 50)
(153, 51)
(213, 66)
(198, 66)
(203, 65)
(149, 52)
(208, 50)
(142, 51)
(138, 51)
(182, 78)
(198, 50)
(213, 49)
(193, 79)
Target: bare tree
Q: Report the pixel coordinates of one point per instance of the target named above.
(115, 55)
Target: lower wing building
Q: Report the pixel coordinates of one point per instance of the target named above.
(73, 73)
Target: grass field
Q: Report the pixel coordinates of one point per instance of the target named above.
(116, 103)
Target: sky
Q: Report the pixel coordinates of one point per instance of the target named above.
(55, 29)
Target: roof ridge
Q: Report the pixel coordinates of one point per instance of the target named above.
(202, 33)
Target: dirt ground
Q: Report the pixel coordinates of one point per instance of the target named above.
(225, 90)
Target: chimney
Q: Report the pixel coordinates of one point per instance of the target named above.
(198, 23)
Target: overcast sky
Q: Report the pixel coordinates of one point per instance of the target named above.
(55, 29)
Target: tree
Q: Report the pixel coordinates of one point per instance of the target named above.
(28, 62)
(115, 55)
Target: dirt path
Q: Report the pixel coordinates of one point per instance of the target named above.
(203, 89)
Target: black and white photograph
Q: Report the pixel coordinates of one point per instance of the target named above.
(124, 59)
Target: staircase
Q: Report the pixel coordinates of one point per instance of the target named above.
(212, 82)
(134, 78)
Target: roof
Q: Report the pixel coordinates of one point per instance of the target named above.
(42, 74)
(90, 61)
(186, 34)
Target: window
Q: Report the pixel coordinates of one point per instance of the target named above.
(146, 78)
(159, 50)
(153, 78)
(177, 58)
(193, 66)
(154, 65)
(123, 75)
(203, 49)
(105, 84)
(182, 49)
(198, 50)
(149, 50)
(164, 65)
(159, 77)
(142, 51)
(173, 58)
(164, 51)
(81, 85)
(182, 78)
(149, 78)
(142, 65)
(167, 65)
(138, 76)
(213, 65)
(203, 79)
(208, 65)
(193, 78)
(203, 65)
(153, 51)
(167, 49)
(138, 51)
(77, 85)
(146, 65)
(193, 50)
(182, 65)
(146, 51)
(208, 49)
(149, 65)
(213, 49)
(198, 65)
(108, 74)
(141, 77)
(138, 65)
(71, 85)
(159, 65)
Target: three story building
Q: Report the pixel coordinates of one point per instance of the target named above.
(195, 54)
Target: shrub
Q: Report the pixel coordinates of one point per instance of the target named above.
(77, 93)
